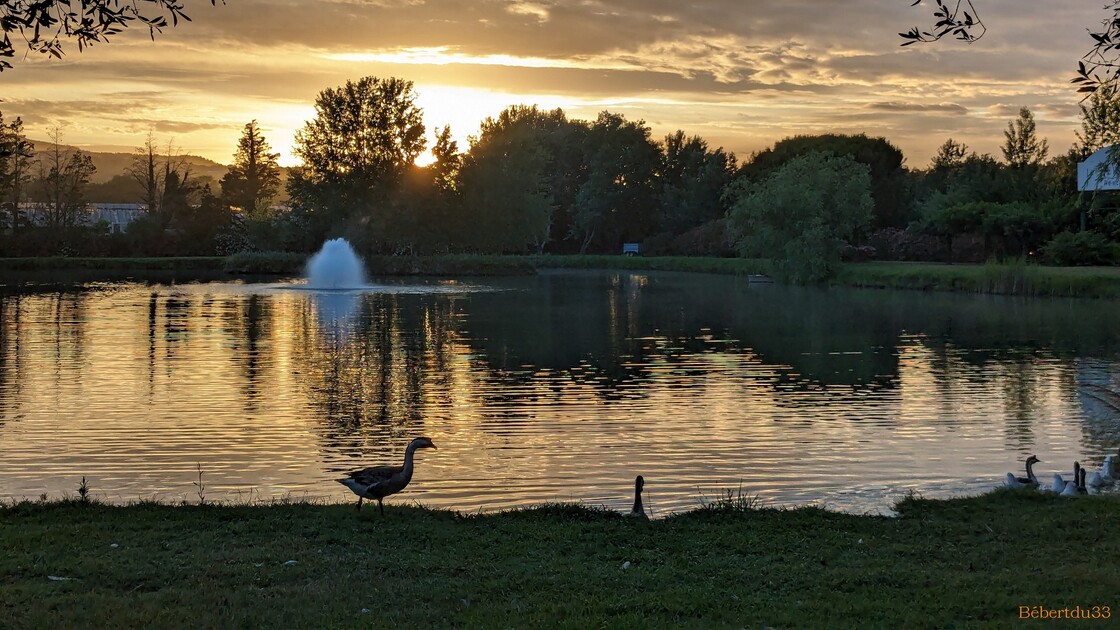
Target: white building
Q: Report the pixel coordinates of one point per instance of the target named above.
(117, 215)
(1099, 171)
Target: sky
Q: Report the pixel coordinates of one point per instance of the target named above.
(742, 74)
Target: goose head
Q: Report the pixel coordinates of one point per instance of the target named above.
(639, 483)
(421, 442)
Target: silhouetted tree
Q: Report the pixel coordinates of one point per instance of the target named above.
(890, 185)
(254, 179)
(618, 200)
(61, 181)
(43, 24)
(199, 223)
(949, 156)
(16, 155)
(693, 179)
(145, 170)
(448, 161)
(506, 202)
(1100, 120)
(364, 136)
(801, 213)
(1021, 146)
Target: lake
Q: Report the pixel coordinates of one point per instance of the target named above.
(557, 387)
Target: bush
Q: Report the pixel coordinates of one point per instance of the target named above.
(801, 214)
(908, 244)
(1081, 249)
(863, 253)
(709, 239)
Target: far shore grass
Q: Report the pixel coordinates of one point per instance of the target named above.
(968, 562)
(1015, 278)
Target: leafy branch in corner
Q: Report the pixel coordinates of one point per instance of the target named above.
(961, 22)
(1098, 67)
(1101, 65)
(44, 24)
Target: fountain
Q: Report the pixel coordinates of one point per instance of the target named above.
(336, 266)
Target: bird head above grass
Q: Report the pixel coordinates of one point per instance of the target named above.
(422, 442)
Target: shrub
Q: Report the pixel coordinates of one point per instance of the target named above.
(908, 244)
(802, 213)
(1081, 249)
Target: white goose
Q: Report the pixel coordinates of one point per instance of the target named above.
(1070, 489)
(1104, 476)
(1030, 481)
(1058, 484)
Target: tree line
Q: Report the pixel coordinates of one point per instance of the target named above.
(538, 181)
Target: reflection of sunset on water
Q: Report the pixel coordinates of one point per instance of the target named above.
(558, 387)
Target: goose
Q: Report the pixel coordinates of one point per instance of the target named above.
(1058, 485)
(381, 481)
(1070, 489)
(1081, 489)
(638, 511)
(1103, 476)
(1023, 482)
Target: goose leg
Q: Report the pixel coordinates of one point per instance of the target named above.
(359, 504)
(381, 507)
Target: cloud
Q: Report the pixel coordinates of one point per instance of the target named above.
(952, 109)
(748, 73)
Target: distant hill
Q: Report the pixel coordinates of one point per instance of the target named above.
(112, 164)
(112, 184)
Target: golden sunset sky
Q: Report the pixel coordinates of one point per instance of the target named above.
(742, 74)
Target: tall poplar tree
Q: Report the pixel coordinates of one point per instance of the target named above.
(1021, 146)
(254, 179)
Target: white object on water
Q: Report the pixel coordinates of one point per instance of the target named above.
(336, 266)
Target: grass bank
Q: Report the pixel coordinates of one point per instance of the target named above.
(1005, 279)
(962, 562)
(65, 263)
(728, 266)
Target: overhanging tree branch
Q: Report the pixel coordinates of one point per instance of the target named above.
(45, 24)
(1098, 67)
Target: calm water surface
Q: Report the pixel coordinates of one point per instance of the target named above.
(556, 387)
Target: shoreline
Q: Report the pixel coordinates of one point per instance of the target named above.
(967, 561)
(993, 278)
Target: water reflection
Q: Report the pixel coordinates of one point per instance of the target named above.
(562, 386)
(335, 310)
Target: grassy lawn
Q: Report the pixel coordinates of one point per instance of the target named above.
(1008, 279)
(965, 562)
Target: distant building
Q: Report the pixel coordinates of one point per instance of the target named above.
(117, 215)
(1099, 170)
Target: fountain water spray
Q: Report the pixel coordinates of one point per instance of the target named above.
(336, 266)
